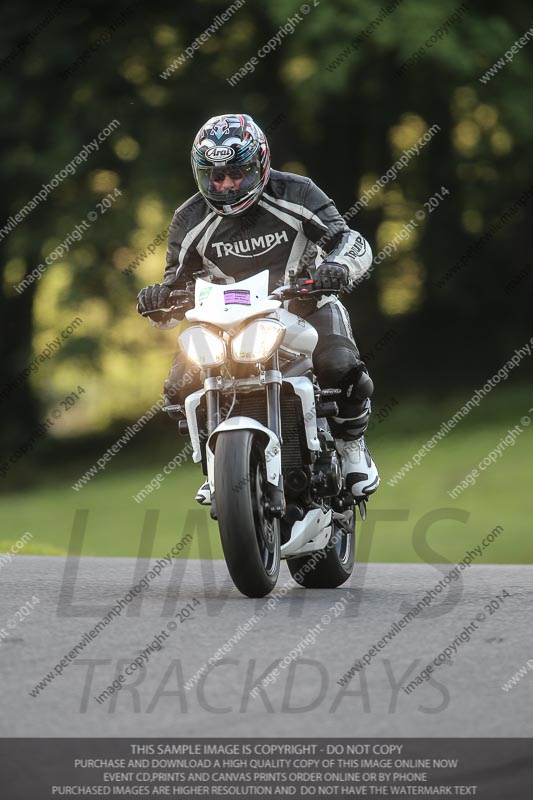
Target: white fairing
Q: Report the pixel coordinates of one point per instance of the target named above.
(272, 448)
(304, 389)
(227, 305)
(300, 337)
(191, 404)
(313, 532)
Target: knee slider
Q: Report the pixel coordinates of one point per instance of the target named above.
(364, 389)
(334, 364)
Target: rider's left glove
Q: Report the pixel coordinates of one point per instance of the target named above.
(331, 277)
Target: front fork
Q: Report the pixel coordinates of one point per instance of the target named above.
(212, 404)
(276, 495)
(269, 376)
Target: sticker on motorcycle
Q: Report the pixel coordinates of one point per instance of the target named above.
(205, 293)
(239, 298)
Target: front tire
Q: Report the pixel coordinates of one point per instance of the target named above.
(336, 567)
(250, 537)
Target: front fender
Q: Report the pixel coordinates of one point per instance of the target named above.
(272, 447)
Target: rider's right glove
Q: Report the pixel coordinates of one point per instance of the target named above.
(152, 297)
(330, 277)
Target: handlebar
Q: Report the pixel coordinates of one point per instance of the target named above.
(187, 301)
(169, 311)
(298, 287)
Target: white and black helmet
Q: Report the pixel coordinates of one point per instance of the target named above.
(231, 144)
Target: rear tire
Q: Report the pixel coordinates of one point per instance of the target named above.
(250, 537)
(336, 567)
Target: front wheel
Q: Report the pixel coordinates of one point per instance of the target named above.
(336, 564)
(250, 537)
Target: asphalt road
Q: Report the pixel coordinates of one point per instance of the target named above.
(463, 697)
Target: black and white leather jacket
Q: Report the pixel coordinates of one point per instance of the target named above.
(293, 226)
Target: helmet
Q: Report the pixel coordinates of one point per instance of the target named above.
(232, 144)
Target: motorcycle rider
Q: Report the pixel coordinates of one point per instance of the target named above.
(247, 217)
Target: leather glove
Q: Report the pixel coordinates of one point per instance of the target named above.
(331, 277)
(152, 297)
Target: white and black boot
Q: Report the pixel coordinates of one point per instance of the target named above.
(203, 495)
(358, 467)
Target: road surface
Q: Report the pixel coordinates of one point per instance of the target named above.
(312, 637)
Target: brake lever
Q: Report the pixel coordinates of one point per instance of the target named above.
(301, 288)
(167, 310)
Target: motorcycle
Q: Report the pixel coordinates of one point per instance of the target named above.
(259, 428)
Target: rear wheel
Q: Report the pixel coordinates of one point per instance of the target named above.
(336, 566)
(250, 536)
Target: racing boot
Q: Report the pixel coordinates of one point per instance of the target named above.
(203, 495)
(358, 467)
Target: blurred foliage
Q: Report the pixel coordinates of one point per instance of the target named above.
(343, 126)
(414, 521)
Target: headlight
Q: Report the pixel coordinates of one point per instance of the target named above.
(202, 346)
(257, 341)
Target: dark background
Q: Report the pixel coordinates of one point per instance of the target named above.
(67, 70)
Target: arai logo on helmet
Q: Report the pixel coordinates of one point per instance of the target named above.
(220, 153)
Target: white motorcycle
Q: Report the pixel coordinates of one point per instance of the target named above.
(259, 428)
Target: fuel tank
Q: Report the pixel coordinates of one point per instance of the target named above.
(300, 336)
